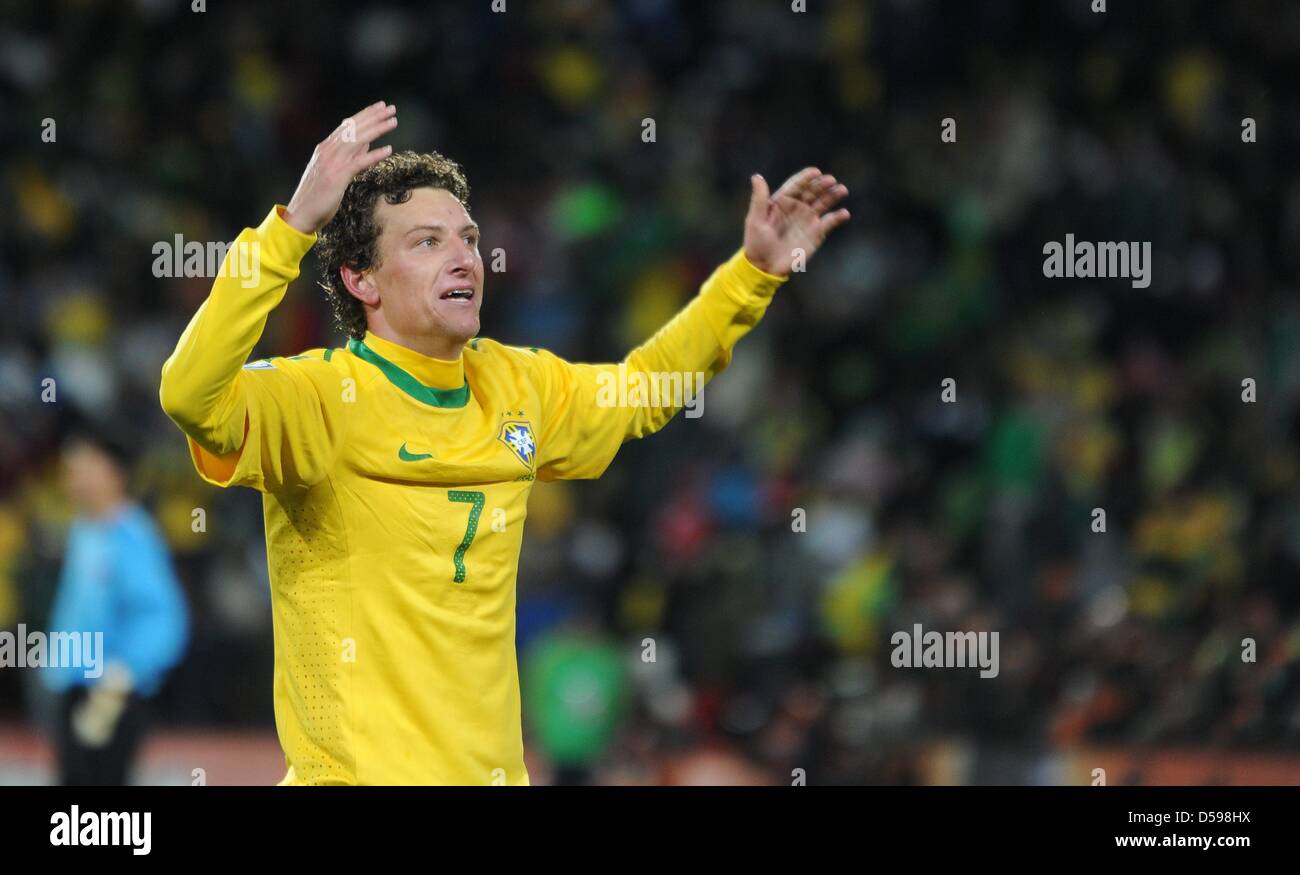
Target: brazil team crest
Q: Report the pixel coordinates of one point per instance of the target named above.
(518, 436)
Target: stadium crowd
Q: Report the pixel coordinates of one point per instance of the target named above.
(720, 605)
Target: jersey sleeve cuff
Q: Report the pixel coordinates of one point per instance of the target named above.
(282, 243)
(744, 283)
(756, 274)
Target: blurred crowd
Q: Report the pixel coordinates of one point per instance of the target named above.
(719, 606)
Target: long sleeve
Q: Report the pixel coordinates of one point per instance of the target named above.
(592, 409)
(117, 579)
(273, 425)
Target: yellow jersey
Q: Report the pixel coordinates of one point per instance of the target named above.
(395, 488)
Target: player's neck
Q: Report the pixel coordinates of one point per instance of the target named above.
(442, 348)
(105, 508)
(430, 370)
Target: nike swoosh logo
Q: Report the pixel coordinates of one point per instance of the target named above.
(411, 457)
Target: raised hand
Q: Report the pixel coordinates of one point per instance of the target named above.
(338, 158)
(796, 217)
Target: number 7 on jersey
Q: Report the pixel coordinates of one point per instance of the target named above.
(476, 499)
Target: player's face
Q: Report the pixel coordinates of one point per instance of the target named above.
(429, 257)
(89, 478)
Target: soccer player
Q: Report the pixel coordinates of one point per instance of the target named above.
(396, 469)
(118, 580)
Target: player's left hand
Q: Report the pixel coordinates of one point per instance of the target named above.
(797, 217)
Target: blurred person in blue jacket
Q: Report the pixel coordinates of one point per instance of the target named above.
(117, 578)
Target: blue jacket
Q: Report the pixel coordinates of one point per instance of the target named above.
(117, 578)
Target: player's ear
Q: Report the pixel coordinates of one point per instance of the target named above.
(360, 285)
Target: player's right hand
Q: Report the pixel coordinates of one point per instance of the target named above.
(338, 158)
(95, 720)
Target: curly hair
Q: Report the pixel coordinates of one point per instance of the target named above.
(352, 236)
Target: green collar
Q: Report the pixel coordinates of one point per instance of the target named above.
(408, 384)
